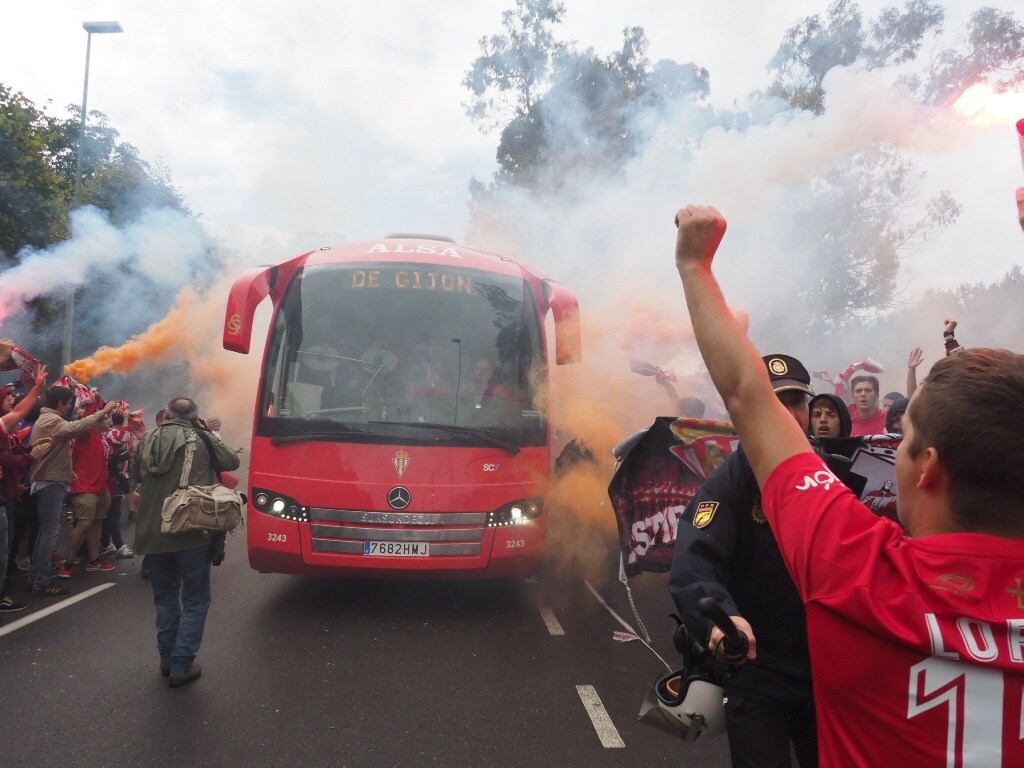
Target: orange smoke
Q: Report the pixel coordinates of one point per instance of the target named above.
(223, 382)
(153, 346)
(648, 326)
(600, 402)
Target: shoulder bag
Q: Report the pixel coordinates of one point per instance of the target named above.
(210, 508)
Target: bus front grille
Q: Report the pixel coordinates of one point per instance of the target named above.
(345, 531)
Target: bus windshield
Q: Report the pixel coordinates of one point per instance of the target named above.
(410, 353)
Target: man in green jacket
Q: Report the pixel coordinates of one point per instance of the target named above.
(179, 568)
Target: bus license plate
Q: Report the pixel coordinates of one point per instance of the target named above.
(397, 548)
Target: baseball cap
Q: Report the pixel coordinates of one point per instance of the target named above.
(788, 373)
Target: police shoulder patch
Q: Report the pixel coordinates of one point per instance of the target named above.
(705, 512)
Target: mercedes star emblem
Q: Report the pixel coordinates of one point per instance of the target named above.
(399, 497)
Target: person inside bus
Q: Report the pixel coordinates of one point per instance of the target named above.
(426, 383)
(318, 363)
(483, 401)
(341, 379)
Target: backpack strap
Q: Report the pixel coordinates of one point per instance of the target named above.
(186, 468)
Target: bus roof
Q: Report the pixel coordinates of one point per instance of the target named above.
(418, 250)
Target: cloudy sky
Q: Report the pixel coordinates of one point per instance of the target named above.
(289, 123)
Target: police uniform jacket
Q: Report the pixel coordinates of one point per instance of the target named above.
(726, 550)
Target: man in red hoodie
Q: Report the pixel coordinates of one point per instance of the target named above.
(868, 418)
(90, 496)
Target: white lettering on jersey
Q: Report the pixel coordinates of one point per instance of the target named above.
(973, 699)
(981, 639)
(1015, 636)
(822, 477)
(973, 631)
(935, 634)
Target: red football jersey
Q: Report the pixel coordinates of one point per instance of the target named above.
(917, 645)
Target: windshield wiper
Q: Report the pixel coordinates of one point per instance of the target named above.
(336, 436)
(506, 445)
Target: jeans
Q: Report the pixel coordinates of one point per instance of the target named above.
(181, 593)
(112, 524)
(25, 522)
(49, 505)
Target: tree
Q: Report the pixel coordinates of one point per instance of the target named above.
(991, 49)
(815, 45)
(856, 224)
(115, 178)
(32, 191)
(514, 68)
(565, 112)
(38, 163)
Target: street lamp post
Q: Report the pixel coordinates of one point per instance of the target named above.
(91, 28)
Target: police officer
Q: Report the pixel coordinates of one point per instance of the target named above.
(725, 549)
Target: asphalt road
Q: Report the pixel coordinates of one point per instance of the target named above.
(341, 673)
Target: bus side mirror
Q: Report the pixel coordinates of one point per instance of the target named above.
(565, 310)
(252, 287)
(246, 294)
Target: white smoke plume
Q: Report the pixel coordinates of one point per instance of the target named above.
(160, 246)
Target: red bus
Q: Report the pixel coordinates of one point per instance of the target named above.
(400, 424)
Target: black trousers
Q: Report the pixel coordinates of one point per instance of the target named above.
(761, 730)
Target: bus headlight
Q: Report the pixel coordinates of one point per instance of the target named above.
(521, 512)
(279, 505)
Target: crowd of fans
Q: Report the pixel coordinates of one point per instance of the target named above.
(64, 482)
(857, 407)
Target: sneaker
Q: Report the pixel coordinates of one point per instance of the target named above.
(125, 551)
(108, 550)
(65, 572)
(56, 559)
(50, 590)
(98, 565)
(25, 565)
(7, 605)
(176, 681)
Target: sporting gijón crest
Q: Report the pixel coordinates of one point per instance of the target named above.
(401, 461)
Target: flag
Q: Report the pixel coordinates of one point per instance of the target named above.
(135, 423)
(655, 481)
(14, 358)
(82, 392)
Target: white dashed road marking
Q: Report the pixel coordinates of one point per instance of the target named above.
(6, 629)
(551, 621)
(603, 724)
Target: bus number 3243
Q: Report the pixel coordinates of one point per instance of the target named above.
(279, 537)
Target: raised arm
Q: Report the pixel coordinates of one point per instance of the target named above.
(915, 358)
(22, 409)
(768, 433)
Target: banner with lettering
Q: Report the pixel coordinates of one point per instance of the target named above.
(669, 463)
(655, 481)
